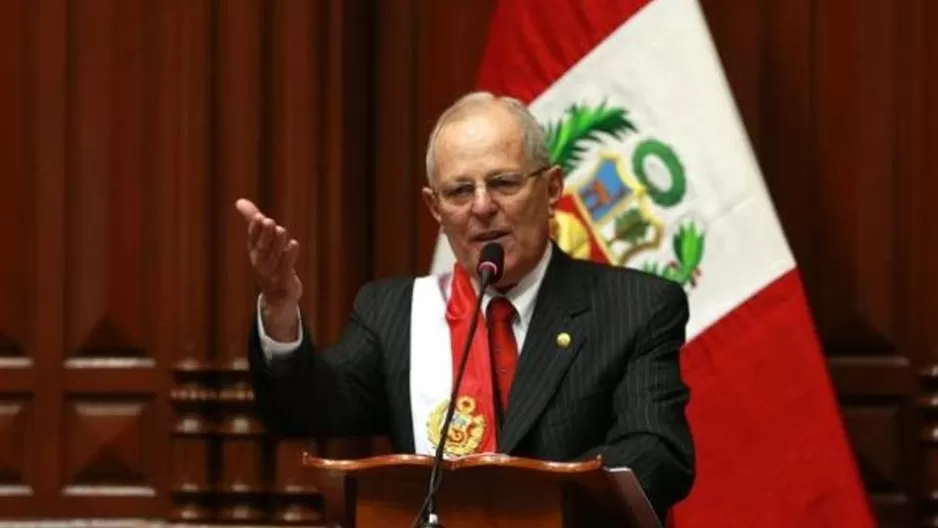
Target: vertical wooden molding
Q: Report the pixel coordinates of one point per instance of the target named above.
(159, 102)
(237, 163)
(446, 72)
(346, 214)
(296, 106)
(18, 209)
(236, 171)
(398, 173)
(49, 162)
(185, 47)
(784, 75)
(191, 485)
(915, 137)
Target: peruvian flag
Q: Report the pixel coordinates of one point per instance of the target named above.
(661, 177)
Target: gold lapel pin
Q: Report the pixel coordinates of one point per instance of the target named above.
(563, 340)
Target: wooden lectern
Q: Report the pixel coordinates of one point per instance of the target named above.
(489, 490)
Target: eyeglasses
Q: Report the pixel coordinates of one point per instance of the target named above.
(502, 185)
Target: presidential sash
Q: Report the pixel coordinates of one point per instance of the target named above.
(439, 329)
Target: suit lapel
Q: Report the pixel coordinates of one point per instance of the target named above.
(544, 361)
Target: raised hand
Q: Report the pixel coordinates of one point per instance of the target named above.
(273, 254)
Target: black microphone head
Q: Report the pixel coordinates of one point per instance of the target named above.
(491, 262)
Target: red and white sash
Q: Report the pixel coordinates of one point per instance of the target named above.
(439, 326)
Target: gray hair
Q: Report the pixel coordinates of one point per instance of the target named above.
(533, 139)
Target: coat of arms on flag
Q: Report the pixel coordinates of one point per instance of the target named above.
(611, 212)
(611, 209)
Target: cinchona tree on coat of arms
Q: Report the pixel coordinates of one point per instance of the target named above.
(610, 214)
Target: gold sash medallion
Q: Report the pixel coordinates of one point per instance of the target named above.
(465, 431)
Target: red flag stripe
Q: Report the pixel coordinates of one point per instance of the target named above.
(532, 43)
(770, 446)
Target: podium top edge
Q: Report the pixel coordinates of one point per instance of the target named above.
(486, 460)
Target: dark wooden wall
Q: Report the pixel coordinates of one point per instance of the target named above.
(131, 126)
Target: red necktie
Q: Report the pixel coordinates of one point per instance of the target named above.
(504, 348)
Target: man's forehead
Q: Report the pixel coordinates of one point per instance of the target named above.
(476, 141)
(479, 129)
(456, 164)
(477, 136)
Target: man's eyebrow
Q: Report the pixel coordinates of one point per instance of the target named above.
(489, 174)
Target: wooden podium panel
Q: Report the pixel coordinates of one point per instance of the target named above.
(488, 491)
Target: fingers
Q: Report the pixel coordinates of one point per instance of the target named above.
(266, 235)
(247, 209)
(288, 260)
(254, 230)
(270, 251)
(270, 247)
(290, 253)
(255, 219)
(260, 227)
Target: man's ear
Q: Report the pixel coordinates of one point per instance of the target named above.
(430, 199)
(554, 186)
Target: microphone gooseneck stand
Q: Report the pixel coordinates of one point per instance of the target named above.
(489, 268)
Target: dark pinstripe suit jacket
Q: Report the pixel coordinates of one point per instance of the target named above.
(615, 391)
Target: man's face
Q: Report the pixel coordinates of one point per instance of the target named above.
(485, 190)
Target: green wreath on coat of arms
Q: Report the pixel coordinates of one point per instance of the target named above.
(616, 199)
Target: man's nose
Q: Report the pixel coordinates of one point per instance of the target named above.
(482, 203)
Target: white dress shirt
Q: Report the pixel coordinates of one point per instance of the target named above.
(522, 297)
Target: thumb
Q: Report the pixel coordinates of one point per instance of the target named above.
(246, 208)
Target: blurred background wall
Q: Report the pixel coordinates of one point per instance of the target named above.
(131, 126)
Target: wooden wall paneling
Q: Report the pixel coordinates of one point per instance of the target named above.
(47, 74)
(293, 172)
(857, 299)
(111, 380)
(917, 135)
(855, 96)
(427, 55)
(786, 132)
(345, 255)
(398, 168)
(160, 146)
(136, 124)
(345, 199)
(452, 43)
(184, 138)
(291, 127)
(237, 155)
(19, 357)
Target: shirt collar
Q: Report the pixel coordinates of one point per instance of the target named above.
(524, 294)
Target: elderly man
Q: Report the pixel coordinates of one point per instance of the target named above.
(572, 359)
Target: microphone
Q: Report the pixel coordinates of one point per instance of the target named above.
(489, 270)
(491, 261)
